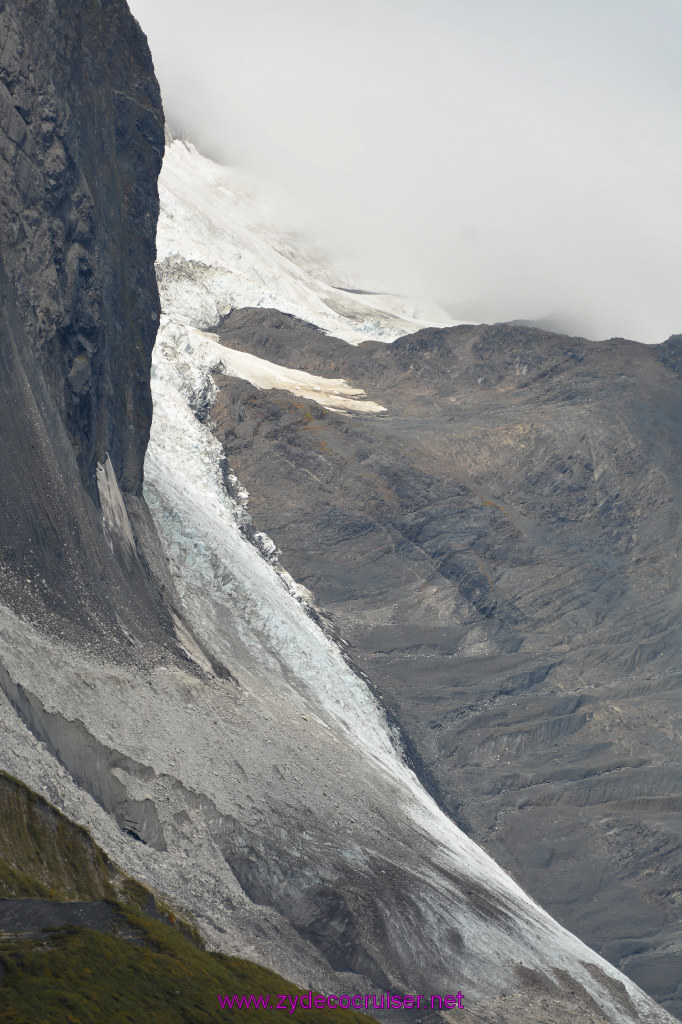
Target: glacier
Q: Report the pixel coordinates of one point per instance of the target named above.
(259, 784)
(253, 618)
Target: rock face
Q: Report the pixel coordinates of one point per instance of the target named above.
(81, 144)
(81, 136)
(500, 548)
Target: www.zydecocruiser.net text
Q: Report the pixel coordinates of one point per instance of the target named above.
(310, 1001)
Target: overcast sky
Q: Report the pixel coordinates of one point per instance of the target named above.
(511, 158)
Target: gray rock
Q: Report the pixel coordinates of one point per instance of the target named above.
(218, 792)
(81, 145)
(81, 130)
(500, 549)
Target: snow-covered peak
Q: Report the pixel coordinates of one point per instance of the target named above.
(220, 248)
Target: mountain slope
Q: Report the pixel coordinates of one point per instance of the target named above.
(493, 527)
(230, 608)
(80, 938)
(174, 691)
(499, 548)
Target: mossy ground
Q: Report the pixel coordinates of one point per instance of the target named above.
(77, 976)
(44, 855)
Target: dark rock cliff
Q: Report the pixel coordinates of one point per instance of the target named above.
(81, 145)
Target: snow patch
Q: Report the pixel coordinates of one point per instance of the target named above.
(208, 355)
(333, 394)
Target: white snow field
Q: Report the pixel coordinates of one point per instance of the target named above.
(273, 799)
(220, 249)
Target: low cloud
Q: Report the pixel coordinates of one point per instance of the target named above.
(513, 161)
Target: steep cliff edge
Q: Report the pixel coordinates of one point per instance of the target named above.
(81, 145)
(81, 135)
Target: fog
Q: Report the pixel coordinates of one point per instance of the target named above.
(511, 160)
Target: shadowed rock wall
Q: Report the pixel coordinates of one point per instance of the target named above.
(81, 145)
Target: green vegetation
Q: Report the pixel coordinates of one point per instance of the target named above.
(150, 969)
(44, 855)
(78, 976)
